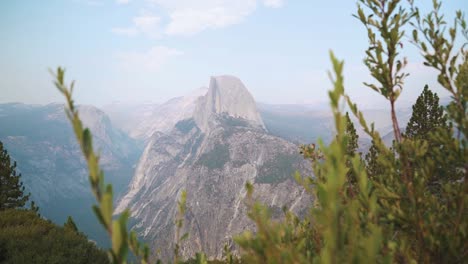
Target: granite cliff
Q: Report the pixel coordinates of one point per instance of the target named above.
(212, 155)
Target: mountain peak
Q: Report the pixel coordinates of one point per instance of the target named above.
(226, 95)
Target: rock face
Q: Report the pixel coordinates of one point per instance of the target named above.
(226, 95)
(41, 140)
(141, 121)
(212, 156)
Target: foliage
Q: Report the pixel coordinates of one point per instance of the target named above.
(350, 132)
(70, 224)
(181, 204)
(121, 239)
(27, 238)
(395, 214)
(339, 228)
(351, 152)
(427, 115)
(385, 30)
(273, 242)
(372, 166)
(429, 123)
(11, 188)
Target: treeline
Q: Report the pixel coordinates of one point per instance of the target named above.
(25, 237)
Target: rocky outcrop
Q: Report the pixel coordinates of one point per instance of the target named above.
(141, 121)
(226, 95)
(212, 156)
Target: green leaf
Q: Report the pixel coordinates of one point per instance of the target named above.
(107, 206)
(87, 143)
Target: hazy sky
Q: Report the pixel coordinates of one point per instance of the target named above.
(153, 50)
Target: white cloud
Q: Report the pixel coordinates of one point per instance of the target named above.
(189, 17)
(122, 2)
(273, 3)
(151, 60)
(192, 21)
(145, 24)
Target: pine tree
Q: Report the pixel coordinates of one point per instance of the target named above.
(11, 188)
(427, 115)
(429, 123)
(34, 208)
(353, 137)
(70, 224)
(351, 148)
(372, 166)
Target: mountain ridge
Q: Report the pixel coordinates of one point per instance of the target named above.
(212, 156)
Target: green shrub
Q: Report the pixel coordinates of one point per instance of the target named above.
(409, 202)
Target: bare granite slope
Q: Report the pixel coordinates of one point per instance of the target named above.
(212, 156)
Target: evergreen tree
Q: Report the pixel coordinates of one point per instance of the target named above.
(393, 217)
(11, 188)
(70, 224)
(351, 148)
(427, 115)
(372, 166)
(34, 208)
(429, 123)
(353, 137)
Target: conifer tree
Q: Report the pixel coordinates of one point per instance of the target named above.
(427, 115)
(70, 224)
(353, 137)
(372, 166)
(351, 149)
(11, 188)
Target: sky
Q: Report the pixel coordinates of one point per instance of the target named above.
(135, 51)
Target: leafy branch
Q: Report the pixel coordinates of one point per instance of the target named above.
(387, 18)
(122, 240)
(437, 43)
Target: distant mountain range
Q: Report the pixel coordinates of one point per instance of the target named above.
(209, 143)
(40, 139)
